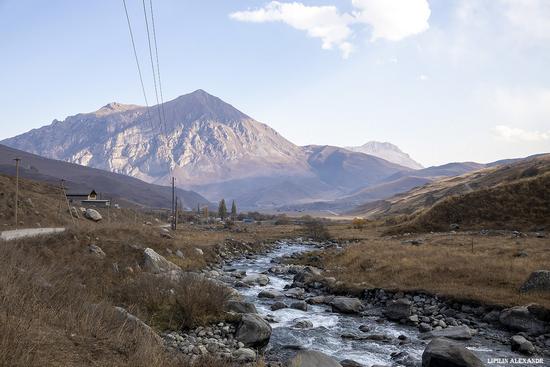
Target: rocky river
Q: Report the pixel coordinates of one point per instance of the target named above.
(379, 329)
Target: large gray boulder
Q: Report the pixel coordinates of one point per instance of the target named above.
(522, 345)
(260, 279)
(306, 275)
(157, 264)
(520, 318)
(253, 331)
(538, 281)
(462, 332)
(240, 307)
(93, 214)
(443, 352)
(398, 309)
(347, 305)
(310, 358)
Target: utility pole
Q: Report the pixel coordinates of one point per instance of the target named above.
(176, 218)
(67, 200)
(17, 160)
(173, 203)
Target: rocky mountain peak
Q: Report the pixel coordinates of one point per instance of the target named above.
(387, 151)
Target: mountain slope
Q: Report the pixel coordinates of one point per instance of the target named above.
(387, 151)
(81, 178)
(208, 146)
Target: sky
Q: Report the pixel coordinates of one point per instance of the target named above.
(445, 80)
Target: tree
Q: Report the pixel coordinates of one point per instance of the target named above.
(233, 210)
(222, 210)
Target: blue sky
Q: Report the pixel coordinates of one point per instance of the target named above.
(445, 80)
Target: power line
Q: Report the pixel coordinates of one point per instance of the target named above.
(157, 57)
(162, 124)
(137, 64)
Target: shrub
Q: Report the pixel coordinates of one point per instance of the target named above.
(316, 230)
(359, 223)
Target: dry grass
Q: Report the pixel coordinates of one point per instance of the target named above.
(444, 264)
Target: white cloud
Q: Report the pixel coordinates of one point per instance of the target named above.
(531, 17)
(393, 20)
(517, 134)
(324, 22)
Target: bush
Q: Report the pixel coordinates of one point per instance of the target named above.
(359, 223)
(316, 230)
(282, 220)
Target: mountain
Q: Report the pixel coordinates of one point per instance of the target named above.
(208, 146)
(78, 178)
(388, 152)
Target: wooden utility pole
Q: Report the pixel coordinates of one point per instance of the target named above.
(176, 215)
(17, 160)
(173, 203)
(67, 201)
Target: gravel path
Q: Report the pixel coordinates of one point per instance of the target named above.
(28, 232)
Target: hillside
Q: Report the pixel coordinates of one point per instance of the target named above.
(388, 152)
(121, 188)
(515, 194)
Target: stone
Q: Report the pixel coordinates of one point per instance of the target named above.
(454, 226)
(522, 345)
(442, 352)
(462, 332)
(244, 355)
(424, 327)
(93, 214)
(519, 318)
(538, 281)
(157, 264)
(278, 306)
(398, 309)
(350, 363)
(295, 293)
(179, 254)
(260, 279)
(347, 305)
(240, 307)
(364, 328)
(303, 324)
(267, 293)
(253, 331)
(404, 359)
(198, 251)
(96, 251)
(302, 306)
(309, 358)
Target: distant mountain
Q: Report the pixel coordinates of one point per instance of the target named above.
(208, 146)
(78, 178)
(388, 152)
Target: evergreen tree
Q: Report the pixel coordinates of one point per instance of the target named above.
(233, 210)
(222, 210)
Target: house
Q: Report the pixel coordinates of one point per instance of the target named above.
(90, 199)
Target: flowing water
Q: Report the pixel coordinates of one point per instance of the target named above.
(328, 327)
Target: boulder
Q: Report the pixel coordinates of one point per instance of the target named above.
(303, 324)
(346, 305)
(522, 345)
(398, 309)
(295, 293)
(278, 306)
(520, 318)
(462, 332)
(306, 275)
(253, 331)
(157, 264)
(198, 251)
(93, 214)
(309, 358)
(133, 320)
(302, 306)
(267, 293)
(260, 279)
(446, 353)
(350, 363)
(240, 307)
(538, 281)
(244, 355)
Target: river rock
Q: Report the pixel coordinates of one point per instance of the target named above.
(538, 281)
(240, 307)
(462, 332)
(96, 251)
(522, 345)
(93, 214)
(156, 263)
(446, 353)
(260, 279)
(520, 318)
(244, 355)
(302, 306)
(404, 359)
(268, 293)
(346, 305)
(253, 331)
(350, 363)
(306, 275)
(398, 309)
(295, 293)
(303, 324)
(309, 358)
(278, 306)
